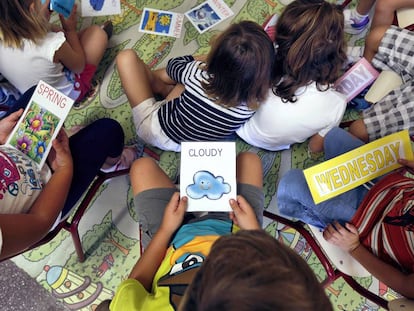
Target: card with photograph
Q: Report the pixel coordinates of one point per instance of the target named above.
(160, 22)
(208, 14)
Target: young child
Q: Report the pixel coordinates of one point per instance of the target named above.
(247, 270)
(389, 48)
(179, 245)
(376, 231)
(30, 51)
(31, 200)
(357, 19)
(213, 99)
(309, 57)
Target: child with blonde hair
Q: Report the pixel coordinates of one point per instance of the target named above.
(213, 99)
(31, 51)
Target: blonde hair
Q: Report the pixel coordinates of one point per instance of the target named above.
(18, 22)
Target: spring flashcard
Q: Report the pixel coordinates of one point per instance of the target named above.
(160, 22)
(208, 175)
(100, 7)
(40, 123)
(208, 14)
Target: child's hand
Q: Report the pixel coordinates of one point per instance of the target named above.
(60, 156)
(44, 10)
(409, 163)
(346, 238)
(243, 214)
(174, 214)
(7, 124)
(69, 24)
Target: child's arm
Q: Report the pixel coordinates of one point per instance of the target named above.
(149, 262)
(348, 240)
(71, 53)
(316, 143)
(22, 230)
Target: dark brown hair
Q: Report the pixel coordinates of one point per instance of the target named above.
(240, 66)
(250, 270)
(310, 46)
(17, 22)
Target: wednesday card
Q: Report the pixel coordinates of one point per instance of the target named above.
(208, 175)
(356, 167)
(160, 22)
(208, 14)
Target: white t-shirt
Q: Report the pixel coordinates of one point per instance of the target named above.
(24, 67)
(276, 125)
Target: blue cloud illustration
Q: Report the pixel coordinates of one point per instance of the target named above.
(207, 185)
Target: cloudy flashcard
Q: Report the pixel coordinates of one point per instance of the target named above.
(100, 7)
(160, 22)
(208, 175)
(208, 14)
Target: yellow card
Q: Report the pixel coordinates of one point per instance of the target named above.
(352, 169)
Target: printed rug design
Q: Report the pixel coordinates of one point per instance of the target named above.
(109, 229)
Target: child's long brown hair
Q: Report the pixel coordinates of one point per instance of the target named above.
(17, 22)
(240, 65)
(310, 46)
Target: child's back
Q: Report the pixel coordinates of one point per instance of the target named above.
(309, 57)
(30, 51)
(219, 94)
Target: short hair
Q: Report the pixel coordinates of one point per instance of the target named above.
(240, 66)
(250, 270)
(310, 46)
(17, 22)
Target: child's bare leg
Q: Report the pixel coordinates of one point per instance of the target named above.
(135, 77)
(359, 130)
(364, 6)
(373, 40)
(94, 41)
(175, 92)
(385, 9)
(146, 174)
(162, 84)
(249, 169)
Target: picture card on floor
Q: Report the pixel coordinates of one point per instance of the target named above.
(100, 7)
(208, 175)
(160, 22)
(208, 14)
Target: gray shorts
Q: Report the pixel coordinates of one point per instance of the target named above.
(151, 203)
(395, 112)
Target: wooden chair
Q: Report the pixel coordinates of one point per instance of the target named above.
(71, 223)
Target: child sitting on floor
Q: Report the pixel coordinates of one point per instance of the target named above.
(30, 51)
(214, 97)
(309, 57)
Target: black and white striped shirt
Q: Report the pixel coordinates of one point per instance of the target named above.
(193, 116)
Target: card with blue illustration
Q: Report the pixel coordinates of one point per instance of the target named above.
(100, 7)
(208, 175)
(160, 22)
(208, 14)
(63, 7)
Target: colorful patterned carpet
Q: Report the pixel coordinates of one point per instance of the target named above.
(109, 229)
